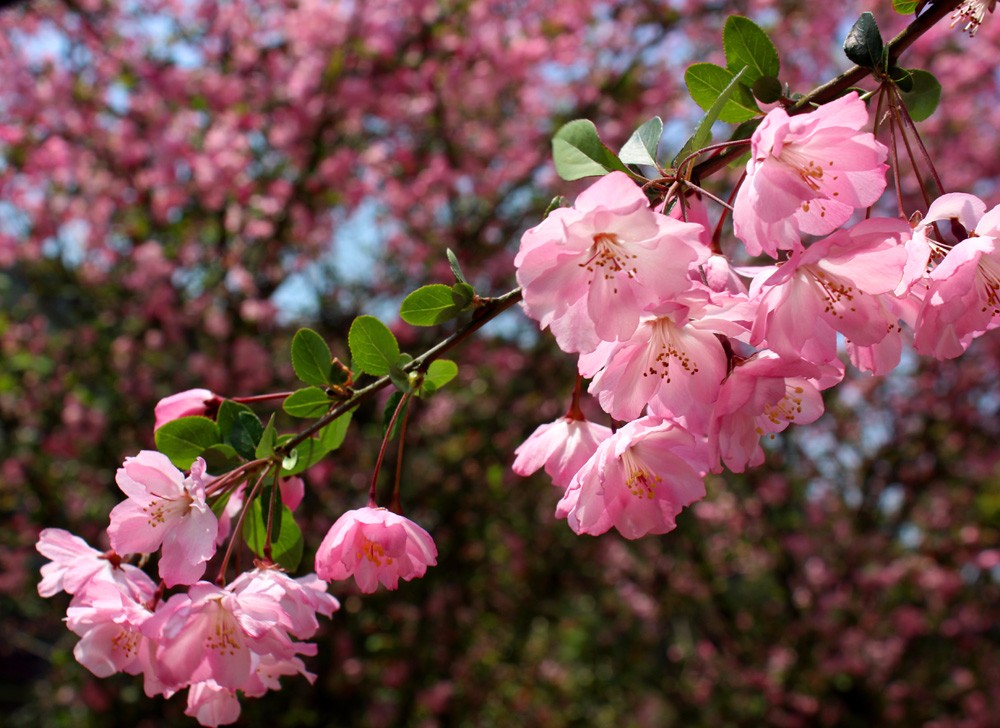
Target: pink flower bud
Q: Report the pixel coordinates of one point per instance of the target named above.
(183, 404)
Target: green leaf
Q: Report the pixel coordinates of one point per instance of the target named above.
(373, 347)
(332, 436)
(922, 99)
(184, 439)
(706, 82)
(439, 373)
(463, 295)
(578, 152)
(289, 461)
(286, 536)
(265, 447)
(390, 408)
(456, 269)
(430, 305)
(747, 46)
(902, 78)
(228, 412)
(221, 459)
(702, 136)
(905, 7)
(308, 402)
(245, 434)
(767, 89)
(400, 379)
(315, 448)
(311, 357)
(864, 42)
(642, 145)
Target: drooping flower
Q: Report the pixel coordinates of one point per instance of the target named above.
(300, 599)
(561, 447)
(836, 285)
(211, 704)
(164, 508)
(109, 621)
(807, 174)
(638, 481)
(183, 404)
(588, 271)
(375, 545)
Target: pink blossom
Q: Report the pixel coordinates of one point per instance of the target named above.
(164, 508)
(973, 12)
(762, 396)
(638, 481)
(74, 564)
(807, 174)
(211, 633)
(108, 619)
(962, 296)
(183, 404)
(836, 285)
(375, 545)
(674, 361)
(211, 704)
(300, 599)
(562, 447)
(588, 271)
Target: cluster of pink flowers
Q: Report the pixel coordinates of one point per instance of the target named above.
(702, 366)
(215, 640)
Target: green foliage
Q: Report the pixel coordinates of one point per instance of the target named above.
(439, 373)
(578, 152)
(226, 419)
(374, 349)
(456, 269)
(748, 47)
(863, 45)
(703, 133)
(642, 145)
(307, 403)
(311, 357)
(314, 449)
(905, 7)
(431, 305)
(182, 440)
(245, 433)
(265, 446)
(924, 95)
(706, 82)
(221, 458)
(286, 536)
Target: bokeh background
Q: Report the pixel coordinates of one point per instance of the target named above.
(183, 183)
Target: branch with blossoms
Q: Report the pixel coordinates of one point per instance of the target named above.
(694, 354)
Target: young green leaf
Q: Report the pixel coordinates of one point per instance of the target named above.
(184, 439)
(463, 295)
(456, 269)
(306, 403)
(706, 82)
(702, 136)
(923, 97)
(373, 347)
(578, 152)
(314, 449)
(245, 434)
(429, 305)
(439, 373)
(747, 46)
(641, 146)
(286, 536)
(400, 379)
(311, 357)
(265, 447)
(864, 42)
(228, 412)
(905, 7)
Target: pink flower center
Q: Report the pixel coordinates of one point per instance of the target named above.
(664, 345)
(783, 412)
(373, 552)
(126, 642)
(223, 634)
(164, 510)
(988, 279)
(837, 293)
(608, 254)
(638, 479)
(973, 12)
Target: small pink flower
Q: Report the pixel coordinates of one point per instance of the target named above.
(588, 271)
(183, 404)
(807, 174)
(300, 599)
(108, 620)
(164, 508)
(562, 447)
(211, 704)
(637, 482)
(75, 563)
(375, 545)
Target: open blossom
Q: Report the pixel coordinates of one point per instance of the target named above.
(211, 704)
(375, 545)
(836, 285)
(762, 396)
(637, 482)
(183, 404)
(588, 271)
(562, 447)
(75, 563)
(973, 12)
(960, 297)
(674, 362)
(807, 174)
(300, 599)
(164, 508)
